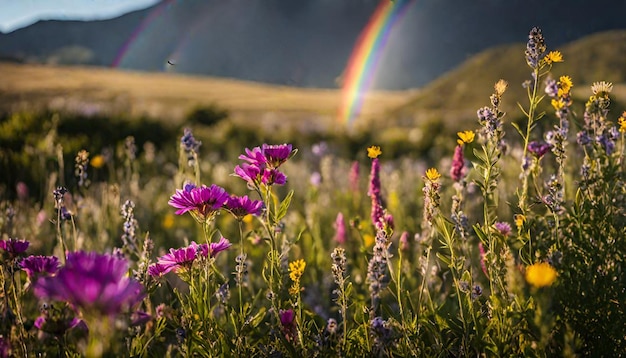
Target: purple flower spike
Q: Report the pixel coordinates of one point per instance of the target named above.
(340, 229)
(217, 247)
(241, 206)
(179, 259)
(92, 282)
(538, 149)
(201, 202)
(40, 265)
(275, 155)
(14, 247)
(457, 172)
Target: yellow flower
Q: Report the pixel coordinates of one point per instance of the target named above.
(540, 274)
(465, 137)
(97, 161)
(374, 151)
(296, 269)
(622, 122)
(554, 56)
(601, 88)
(500, 87)
(565, 83)
(519, 220)
(432, 174)
(368, 240)
(168, 221)
(557, 104)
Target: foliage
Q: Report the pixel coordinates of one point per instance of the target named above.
(511, 248)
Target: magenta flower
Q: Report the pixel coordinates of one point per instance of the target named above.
(217, 247)
(249, 173)
(276, 155)
(254, 157)
(14, 247)
(538, 149)
(340, 229)
(355, 170)
(404, 241)
(179, 259)
(288, 323)
(374, 193)
(457, 172)
(503, 228)
(241, 206)
(40, 265)
(273, 176)
(201, 202)
(92, 282)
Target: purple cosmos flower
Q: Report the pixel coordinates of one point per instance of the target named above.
(158, 270)
(340, 229)
(93, 282)
(273, 176)
(276, 155)
(241, 206)
(538, 149)
(181, 258)
(201, 202)
(457, 172)
(254, 157)
(217, 247)
(40, 265)
(503, 228)
(249, 173)
(14, 247)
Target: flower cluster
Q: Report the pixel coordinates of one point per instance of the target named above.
(431, 195)
(80, 168)
(39, 265)
(202, 203)
(190, 146)
(13, 247)
(182, 259)
(262, 163)
(296, 270)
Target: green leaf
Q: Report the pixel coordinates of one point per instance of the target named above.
(284, 205)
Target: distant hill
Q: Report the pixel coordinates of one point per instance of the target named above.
(304, 43)
(455, 97)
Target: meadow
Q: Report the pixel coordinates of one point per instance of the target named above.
(207, 238)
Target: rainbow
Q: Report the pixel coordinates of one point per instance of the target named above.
(155, 13)
(363, 62)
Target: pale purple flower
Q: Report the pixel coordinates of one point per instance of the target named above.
(340, 229)
(503, 228)
(217, 247)
(14, 247)
(201, 202)
(315, 179)
(241, 206)
(40, 265)
(92, 282)
(276, 155)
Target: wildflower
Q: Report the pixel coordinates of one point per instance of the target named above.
(374, 151)
(540, 274)
(223, 293)
(477, 291)
(201, 202)
(40, 265)
(553, 56)
(296, 269)
(130, 224)
(315, 179)
(276, 155)
(241, 270)
(217, 247)
(273, 176)
(538, 149)
(601, 88)
(432, 174)
(339, 265)
(500, 87)
(503, 228)
(483, 258)
(465, 137)
(253, 156)
(621, 121)
(340, 229)
(241, 206)
(158, 270)
(93, 282)
(14, 247)
(288, 324)
(80, 168)
(374, 192)
(377, 269)
(190, 146)
(535, 48)
(332, 326)
(457, 171)
(97, 161)
(130, 148)
(565, 84)
(57, 325)
(519, 220)
(552, 88)
(249, 173)
(180, 259)
(404, 241)
(319, 149)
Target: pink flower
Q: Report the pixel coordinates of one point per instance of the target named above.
(201, 202)
(178, 259)
(217, 247)
(457, 172)
(340, 229)
(241, 206)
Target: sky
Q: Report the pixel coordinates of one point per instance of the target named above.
(15, 14)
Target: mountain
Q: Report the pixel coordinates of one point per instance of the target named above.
(305, 43)
(455, 96)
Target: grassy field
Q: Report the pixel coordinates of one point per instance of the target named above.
(168, 95)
